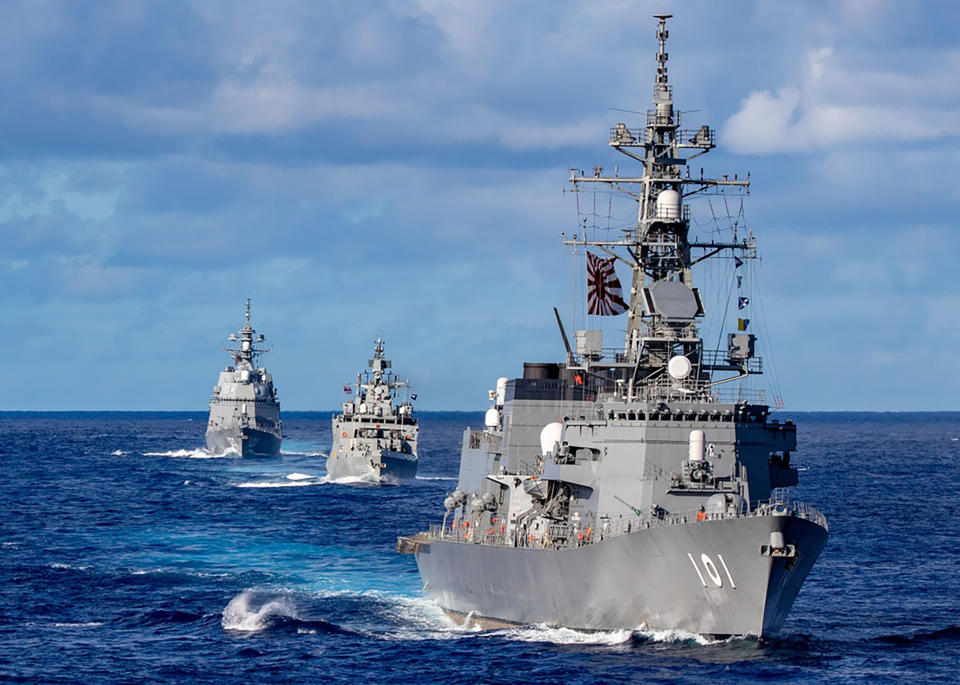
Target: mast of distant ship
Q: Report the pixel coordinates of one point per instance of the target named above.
(247, 352)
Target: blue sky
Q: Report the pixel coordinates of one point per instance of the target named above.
(401, 166)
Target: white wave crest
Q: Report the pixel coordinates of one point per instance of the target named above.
(88, 624)
(57, 564)
(436, 478)
(292, 453)
(299, 476)
(241, 616)
(118, 453)
(199, 453)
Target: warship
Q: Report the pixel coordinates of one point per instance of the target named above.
(375, 436)
(244, 409)
(643, 486)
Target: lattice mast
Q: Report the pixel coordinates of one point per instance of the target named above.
(664, 307)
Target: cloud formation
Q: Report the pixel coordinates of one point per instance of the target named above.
(402, 166)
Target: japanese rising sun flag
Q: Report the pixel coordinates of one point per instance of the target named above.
(604, 295)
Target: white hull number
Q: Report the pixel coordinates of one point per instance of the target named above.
(710, 570)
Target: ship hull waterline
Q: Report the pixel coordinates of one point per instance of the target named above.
(390, 467)
(245, 442)
(708, 578)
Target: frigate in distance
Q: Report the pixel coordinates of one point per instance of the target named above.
(244, 409)
(375, 436)
(632, 488)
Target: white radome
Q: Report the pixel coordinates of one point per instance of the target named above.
(679, 367)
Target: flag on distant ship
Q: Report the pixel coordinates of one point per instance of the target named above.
(739, 281)
(742, 302)
(737, 262)
(413, 396)
(346, 389)
(604, 294)
(742, 324)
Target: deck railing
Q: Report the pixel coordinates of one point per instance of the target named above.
(565, 535)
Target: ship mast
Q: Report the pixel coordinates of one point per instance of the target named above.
(664, 307)
(247, 353)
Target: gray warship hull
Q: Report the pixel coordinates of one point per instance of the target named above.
(707, 577)
(245, 442)
(388, 466)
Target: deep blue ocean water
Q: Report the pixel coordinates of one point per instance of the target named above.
(127, 556)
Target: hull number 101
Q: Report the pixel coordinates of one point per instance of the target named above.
(706, 568)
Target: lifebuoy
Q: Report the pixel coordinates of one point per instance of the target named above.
(343, 434)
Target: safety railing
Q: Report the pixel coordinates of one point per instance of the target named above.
(568, 535)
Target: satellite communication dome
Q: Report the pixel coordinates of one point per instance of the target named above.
(679, 367)
(551, 434)
(668, 204)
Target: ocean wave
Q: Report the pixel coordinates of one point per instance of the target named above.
(449, 478)
(252, 612)
(299, 476)
(178, 573)
(950, 633)
(292, 453)
(118, 453)
(86, 624)
(72, 567)
(199, 453)
(159, 617)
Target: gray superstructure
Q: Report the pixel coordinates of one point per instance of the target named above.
(375, 436)
(244, 409)
(628, 488)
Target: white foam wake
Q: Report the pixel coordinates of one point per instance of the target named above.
(564, 636)
(199, 453)
(352, 480)
(293, 480)
(676, 636)
(240, 614)
(436, 478)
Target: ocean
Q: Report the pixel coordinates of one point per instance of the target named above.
(127, 554)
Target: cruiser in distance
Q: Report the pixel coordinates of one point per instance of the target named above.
(244, 409)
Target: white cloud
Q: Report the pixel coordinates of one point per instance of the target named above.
(837, 102)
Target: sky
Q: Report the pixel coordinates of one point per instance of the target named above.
(401, 167)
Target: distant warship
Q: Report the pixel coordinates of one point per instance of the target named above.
(375, 437)
(627, 488)
(244, 409)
